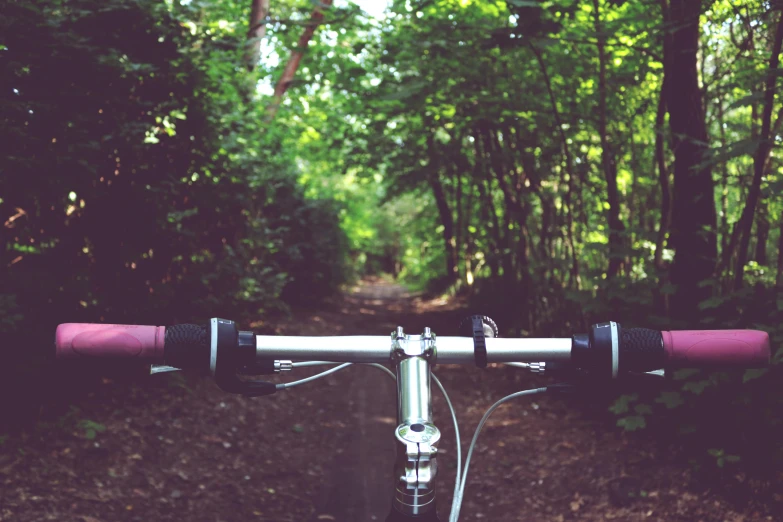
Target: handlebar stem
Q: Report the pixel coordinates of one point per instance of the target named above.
(416, 435)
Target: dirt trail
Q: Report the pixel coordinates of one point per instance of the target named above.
(174, 448)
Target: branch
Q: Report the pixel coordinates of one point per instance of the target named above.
(305, 23)
(608, 43)
(259, 10)
(296, 56)
(761, 155)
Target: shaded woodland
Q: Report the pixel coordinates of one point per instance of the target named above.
(560, 162)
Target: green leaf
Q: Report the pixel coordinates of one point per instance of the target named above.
(712, 302)
(754, 373)
(405, 91)
(642, 409)
(681, 375)
(622, 404)
(670, 399)
(747, 101)
(744, 147)
(523, 3)
(632, 423)
(91, 428)
(697, 387)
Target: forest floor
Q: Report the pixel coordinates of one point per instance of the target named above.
(172, 448)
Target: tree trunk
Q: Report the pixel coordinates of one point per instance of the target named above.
(458, 207)
(693, 210)
(495, 163)
(633, 230)
(608, 162)
(780, 254)
(760, 157)
(724, 185)
(446, 218)
(570, 243)
(762, 233)
(546, 230)
(296, 56)
(484, 171)
(489, 213)
(663, 176)
(259, 9)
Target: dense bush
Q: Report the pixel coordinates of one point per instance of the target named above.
(129, 190)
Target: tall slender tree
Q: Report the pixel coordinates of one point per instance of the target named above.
(760, 157)
(693, 233)
(608, 160)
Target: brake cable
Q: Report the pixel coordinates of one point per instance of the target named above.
(461, 476)
(283, 386)
(456, 504)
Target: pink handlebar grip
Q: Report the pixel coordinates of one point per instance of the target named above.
(110, 340)
(737, 348)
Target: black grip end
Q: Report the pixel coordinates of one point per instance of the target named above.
(187, 347)
(637, 350)
(641, 350)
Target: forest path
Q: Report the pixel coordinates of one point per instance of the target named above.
(174, 447)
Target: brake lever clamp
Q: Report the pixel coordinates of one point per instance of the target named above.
(231, 353)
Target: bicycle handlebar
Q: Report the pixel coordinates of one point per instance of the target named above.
(227, 353)
(607, 346)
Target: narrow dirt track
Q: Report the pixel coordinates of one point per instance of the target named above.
(174, 448)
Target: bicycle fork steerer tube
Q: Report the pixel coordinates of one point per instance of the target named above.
(416, 436)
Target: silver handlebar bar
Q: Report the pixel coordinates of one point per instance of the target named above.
(378, 349)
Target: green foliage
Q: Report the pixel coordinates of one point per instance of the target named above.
(632, 422)
(91, 428)
(721, 458)
(159, 186)
(622, 403)
(755, 373)
(670, 399)
(635, 421)
(140, 186)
